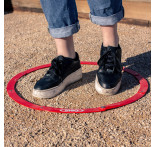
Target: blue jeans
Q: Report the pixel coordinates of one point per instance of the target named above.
(62, 16)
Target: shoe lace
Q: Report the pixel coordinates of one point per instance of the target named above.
(56, 67)
(108, 61)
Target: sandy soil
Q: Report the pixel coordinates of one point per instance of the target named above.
(28, 44)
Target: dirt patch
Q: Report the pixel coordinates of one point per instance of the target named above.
(28, 44)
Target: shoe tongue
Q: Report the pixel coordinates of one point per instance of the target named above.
(60, 57)
(65, 60)
(109, 48)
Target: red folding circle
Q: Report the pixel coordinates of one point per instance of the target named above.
(12, 93)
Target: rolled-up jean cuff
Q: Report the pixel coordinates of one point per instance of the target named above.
(64, 31)
(109, 20)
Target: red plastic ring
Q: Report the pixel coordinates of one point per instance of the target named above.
(12, 93)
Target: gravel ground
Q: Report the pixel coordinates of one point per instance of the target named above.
(28, 44)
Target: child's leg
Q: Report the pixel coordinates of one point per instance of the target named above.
(110, 35)
(65, 47)
(62, 18)
(63, 22)
(107, 13)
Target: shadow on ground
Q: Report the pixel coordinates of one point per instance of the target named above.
(140, 63)
(8, 8)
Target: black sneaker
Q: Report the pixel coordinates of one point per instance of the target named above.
(63, 71)
(109, 74)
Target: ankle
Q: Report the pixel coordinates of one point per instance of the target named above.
(65, 47)
(67, 54)
(114, 42)
(110, 36)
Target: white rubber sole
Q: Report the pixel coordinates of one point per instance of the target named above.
(52, 92)
(104, 91)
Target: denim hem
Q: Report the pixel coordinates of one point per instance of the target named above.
(64, 31)
(109, 20)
